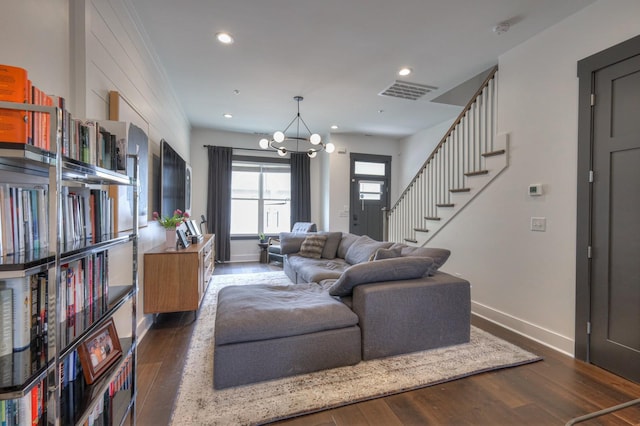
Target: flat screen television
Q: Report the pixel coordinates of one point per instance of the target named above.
(172, 180)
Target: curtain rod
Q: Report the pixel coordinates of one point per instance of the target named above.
(241, 149)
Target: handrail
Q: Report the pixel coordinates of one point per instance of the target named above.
(466, 109)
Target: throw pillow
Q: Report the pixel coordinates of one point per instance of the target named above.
(345, 242)
(312, 246)
(389, 253)
(331, 246)
(362, 249)
(438, 255)
(399, 268)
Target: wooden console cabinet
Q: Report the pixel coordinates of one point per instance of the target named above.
(175, 281)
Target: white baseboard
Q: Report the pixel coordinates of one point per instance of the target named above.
(534, 332)
(144, 324)
(240, 258)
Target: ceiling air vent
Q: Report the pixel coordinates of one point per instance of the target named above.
(406, 90)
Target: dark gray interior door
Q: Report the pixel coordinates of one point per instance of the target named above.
(370, 177)
(615, 284)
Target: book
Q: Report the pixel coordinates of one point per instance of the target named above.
(7, 229)
(14, 124)
(21, 300)
(6, 321)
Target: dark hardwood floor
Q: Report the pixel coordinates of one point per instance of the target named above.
(550, 392)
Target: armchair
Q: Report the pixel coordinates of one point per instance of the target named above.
(274, 243)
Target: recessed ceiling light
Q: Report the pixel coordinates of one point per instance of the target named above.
(224, 38)
(334, 127)
(227, 115)
(405, 71)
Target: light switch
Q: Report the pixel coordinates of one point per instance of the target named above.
(539, 224)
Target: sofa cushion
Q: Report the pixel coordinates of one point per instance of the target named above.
(312, 246)
(389, 253)
(345, 242)
(291, 242)
(438, 255)
(277, 311)
(315, 270)
(399, 268)
(362, 249)
(331, 246)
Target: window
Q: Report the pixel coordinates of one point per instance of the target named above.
(260, 197)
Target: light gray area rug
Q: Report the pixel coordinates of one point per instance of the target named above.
(198, 403)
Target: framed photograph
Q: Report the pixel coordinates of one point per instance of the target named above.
(182, 237)
(196, 228)
(99, 351)
(191, 229)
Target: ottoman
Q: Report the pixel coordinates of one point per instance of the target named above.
(265, 332)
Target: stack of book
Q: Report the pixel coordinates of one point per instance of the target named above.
(82, 140)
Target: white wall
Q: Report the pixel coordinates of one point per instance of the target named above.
(42, 49)
(415, 150)
(520, 278)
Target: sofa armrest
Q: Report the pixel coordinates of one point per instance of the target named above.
(413, 315)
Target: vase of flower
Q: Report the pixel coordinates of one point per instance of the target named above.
(170, 223)
(171, 237)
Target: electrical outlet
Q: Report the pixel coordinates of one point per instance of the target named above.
(539, 224)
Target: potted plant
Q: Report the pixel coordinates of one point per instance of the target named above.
(262, 237)
(170, 223)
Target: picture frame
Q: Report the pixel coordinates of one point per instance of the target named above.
(196, 228)
(191, 229)
(183, 240)
(99, 351)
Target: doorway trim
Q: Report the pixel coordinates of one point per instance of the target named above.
(587, 68)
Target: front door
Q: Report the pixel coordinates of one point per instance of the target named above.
(370, 178)
(615, 283)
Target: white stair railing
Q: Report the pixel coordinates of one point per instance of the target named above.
(461, 155)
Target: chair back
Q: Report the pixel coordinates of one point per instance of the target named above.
(300, 227)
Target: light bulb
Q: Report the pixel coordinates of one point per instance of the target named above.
(315, 139)
(329, 148)
(282, 152)
(224, 38)
(264, 144)
(312, 154)
(278, 136)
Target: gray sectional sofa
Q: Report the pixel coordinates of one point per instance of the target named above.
(352, 298)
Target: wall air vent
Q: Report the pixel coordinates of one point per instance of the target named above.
(406, 90)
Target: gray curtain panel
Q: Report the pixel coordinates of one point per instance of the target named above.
(219, 199)
(300, 188)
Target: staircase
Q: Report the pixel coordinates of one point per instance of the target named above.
(467, 159)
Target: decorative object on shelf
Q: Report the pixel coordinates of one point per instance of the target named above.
(203, 221)
(183, 241)
(171, 237)
(279, 140)
(171, 222)
(263, 238)
(99, 350)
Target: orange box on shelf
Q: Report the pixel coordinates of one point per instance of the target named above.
(14, 87)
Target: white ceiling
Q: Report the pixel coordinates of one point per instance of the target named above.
(338, 54)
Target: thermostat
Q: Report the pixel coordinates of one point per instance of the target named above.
(535, 189)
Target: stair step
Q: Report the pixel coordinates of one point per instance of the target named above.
(494, 153)
(421, 229)
(410, 240)
(477, 173)
(432, 218)
(459, 190)
(445, 205)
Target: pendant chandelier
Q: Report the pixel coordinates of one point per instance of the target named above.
(284, 144)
